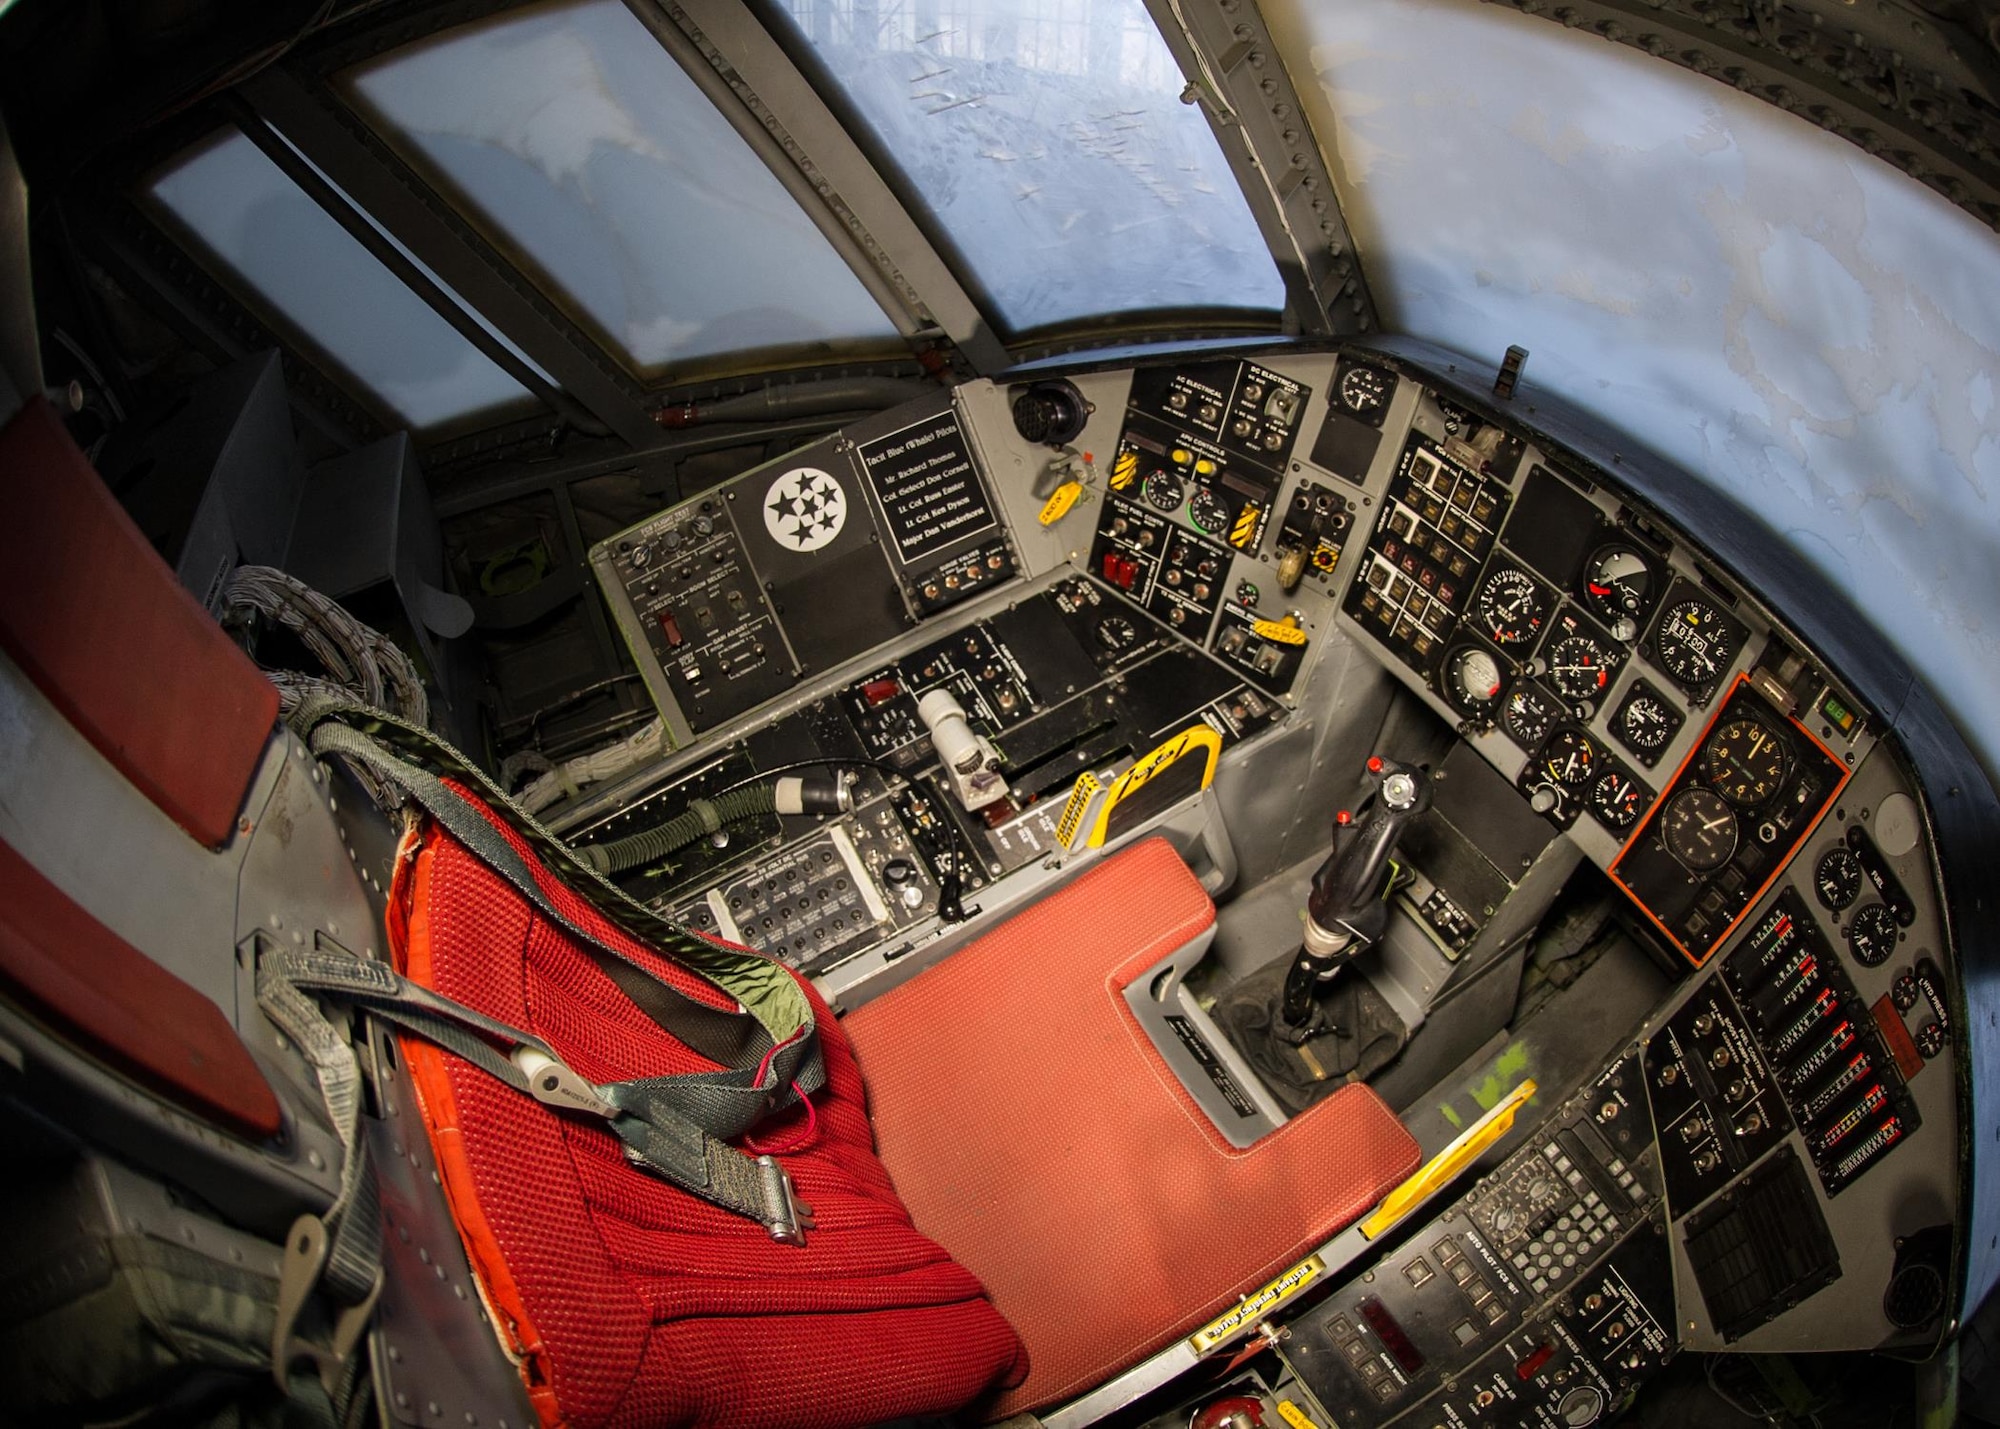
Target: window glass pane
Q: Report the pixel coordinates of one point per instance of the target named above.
(592, 158)
(1049, 140)
(310, 271)
(422, 267)
(1768, 306)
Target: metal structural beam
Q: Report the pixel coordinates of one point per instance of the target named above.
(754, 83)
(1915, 90)
(301, 117)
(1237, 76)
(412, 276)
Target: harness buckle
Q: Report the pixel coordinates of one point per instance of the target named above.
(553, 1083)
(785, 1215)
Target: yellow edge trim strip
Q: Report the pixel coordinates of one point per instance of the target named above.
(1253, 1308)
(1441, 1168)
(1200, 737)
(1087, 787)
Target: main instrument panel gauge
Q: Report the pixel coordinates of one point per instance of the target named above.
(1837, 880)
(1363, 390)
(1694, 643)
(1871, 937)
(1618, 585)
(1580, 666)
(1208, 511)
(1164, 490)
(1529, 715)
(1700, 829)
(1617, 800)
(1645, 723)
(1745, 760)
(1510, 606)
(1473, 678)
(1568, 759)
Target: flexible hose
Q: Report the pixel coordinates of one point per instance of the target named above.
(358, 659)
(703, 816)
(565, 779)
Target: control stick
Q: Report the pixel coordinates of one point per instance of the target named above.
(1348, 910)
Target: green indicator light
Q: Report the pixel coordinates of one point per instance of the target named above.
(1841, 717)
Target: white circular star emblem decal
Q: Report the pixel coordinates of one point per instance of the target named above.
(804, 509)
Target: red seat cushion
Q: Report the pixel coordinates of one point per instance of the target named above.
(1034, 1132)
(627, 1301)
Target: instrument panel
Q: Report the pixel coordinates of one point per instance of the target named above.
(731, 600)
(1265, 540)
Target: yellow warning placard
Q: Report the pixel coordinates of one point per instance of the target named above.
(1295, 1416)
(1058, 505)
(1227, 1326)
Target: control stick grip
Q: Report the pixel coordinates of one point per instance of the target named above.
(1350, 881)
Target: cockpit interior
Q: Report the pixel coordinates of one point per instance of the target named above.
(1163, 714)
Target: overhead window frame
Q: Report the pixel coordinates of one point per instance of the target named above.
(295, 97)
(1029, 342)
(308, 90)
(220, 121)
(167, 271)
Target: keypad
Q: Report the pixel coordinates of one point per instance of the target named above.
(1564, 1239)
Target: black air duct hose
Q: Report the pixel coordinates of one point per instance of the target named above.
(820, 794)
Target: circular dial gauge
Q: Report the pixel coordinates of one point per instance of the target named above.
(1837, 880)
(1745, 761)
(1872, 935)
(1207, 510)
(1363, 389)
(1617, 800)
(1164, 490)
(1617, 583)
(1693, 641)
(1700, 829)
(1116, 633)
(1472, 680)
(1511, 607)
(1580, 667)
(1529, 716)
(1568, 759)
(1646, 724)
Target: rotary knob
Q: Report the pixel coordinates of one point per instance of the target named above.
(1582, 1405)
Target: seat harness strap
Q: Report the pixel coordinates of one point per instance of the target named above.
(643, 1113)
(672, 1126)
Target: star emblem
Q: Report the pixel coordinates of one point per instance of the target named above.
(804, 509)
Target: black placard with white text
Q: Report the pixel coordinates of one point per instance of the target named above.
(929, 490)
